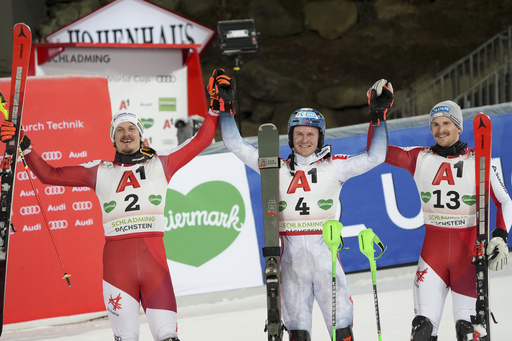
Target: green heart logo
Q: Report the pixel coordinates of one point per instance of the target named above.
(155, 199)
(203, 223)
(147, 122)
(325, 204)
(109, 206)
(425, 196)
(282, 206)
(469, 200)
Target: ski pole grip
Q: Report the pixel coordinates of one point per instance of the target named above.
(331, 234)
(366, 240)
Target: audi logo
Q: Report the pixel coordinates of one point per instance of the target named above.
(166, 78)
(29, 210)
(21, 176)
(54, 190)
(58, 224)
(49, 156)
(82, 205)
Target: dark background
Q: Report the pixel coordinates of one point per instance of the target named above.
(321, 54)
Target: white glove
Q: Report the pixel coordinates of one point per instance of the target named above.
(497, 253)
(378, 87)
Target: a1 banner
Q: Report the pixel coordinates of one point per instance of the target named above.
(157, 91)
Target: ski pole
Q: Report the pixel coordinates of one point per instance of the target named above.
(66, 275)
(366, 239)
(331, 234)
(6, 115)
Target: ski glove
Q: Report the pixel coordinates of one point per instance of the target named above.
(497, 250)
(221, 88)
(380, 99)
(7, 131)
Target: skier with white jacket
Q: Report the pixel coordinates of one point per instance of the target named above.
(310, 181)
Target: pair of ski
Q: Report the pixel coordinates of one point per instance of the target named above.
(268, 146)
(22, 44)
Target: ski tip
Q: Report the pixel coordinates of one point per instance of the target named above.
(481, 120)
(21, 24)
(481, 114)
(22, 30)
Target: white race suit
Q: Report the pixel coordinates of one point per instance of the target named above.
(309, 192)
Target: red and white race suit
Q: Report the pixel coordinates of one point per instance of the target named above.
(448, 200)
(132, 198)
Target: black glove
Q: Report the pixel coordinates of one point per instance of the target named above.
(221, 88)
(25, 142)
(380, 99)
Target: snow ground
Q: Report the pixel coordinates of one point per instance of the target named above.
(241, 314)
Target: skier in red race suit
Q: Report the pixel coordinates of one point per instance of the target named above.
(310, 181)
(445, 176)
(131, 190)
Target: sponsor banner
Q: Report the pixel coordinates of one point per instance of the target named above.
(210, 234)
(133, 22)
(70, 129)
(159, 105)
(156, 92)
(66, 128)
(386, 198)
(213, 218)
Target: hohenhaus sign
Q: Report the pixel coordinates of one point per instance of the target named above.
(133, 22)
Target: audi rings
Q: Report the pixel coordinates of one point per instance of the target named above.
(82, 205)
(49, 156)
(54, 190)
(29, 210)
(58, 224)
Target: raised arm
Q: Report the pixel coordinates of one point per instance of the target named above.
(380, 99)
(245, 151)
(354, 165)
